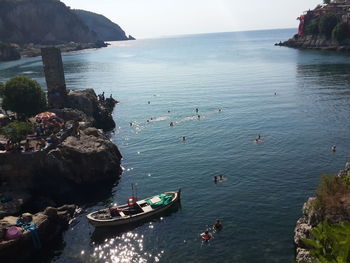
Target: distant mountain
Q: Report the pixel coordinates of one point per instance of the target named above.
(105, 29)
(41, 21)
(52, 22)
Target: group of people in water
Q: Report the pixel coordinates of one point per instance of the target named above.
(206, 235)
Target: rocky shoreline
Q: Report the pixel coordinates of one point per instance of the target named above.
(315, 42)
(11, 51)
(312, 218)
(66, 172)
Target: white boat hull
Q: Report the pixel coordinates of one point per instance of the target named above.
(130, 219)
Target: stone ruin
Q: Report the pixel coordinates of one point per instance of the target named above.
(54, 75)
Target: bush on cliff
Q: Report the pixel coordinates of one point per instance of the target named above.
(313, 27)
(23, 96)
(327, 24)
(340, 31)
(17, 131)
(331, 243)
(329, 194)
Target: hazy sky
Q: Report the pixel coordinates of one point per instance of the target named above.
(153, 18)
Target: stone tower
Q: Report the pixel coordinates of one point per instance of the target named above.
(54, 75)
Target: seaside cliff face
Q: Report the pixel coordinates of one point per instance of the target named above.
(327, 27)
(41, 21)
(104, 28)
(312, 217)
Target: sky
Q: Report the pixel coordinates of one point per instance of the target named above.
(157, 18)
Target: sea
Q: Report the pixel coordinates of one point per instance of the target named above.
(243, 86)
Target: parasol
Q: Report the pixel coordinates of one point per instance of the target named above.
(45, 115)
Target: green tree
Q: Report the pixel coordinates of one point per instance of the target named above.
(313, 27)
(340, 31)
(331, 243)
(23, 96)
(327, 24)
(17, 131)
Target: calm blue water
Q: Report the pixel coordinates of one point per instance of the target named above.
(266, 183)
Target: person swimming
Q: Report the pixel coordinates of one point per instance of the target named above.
(220, 110)
(184, 138)
(217, 225)
(198, 116)
(334, 148)
(258, 137)
(196, 110)
(215, 179)
(221, 177)
(168, 111)
(149, 102)
(130, 123)
(206, 236)
(171, 124)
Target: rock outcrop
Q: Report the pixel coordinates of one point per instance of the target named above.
(41, 21)
(60, 173)
(87, 102)
(104, 28)
(50, 224)
(315, 42)
(313, 217)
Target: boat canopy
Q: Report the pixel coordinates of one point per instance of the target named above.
(160, 200)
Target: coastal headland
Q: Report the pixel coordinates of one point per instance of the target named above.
(25, 28)
(66, 167)
(327, 27)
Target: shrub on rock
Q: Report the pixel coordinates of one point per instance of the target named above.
(17, 131)
(23, 96)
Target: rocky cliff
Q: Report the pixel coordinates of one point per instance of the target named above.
(41, 21)
(104, 28)
(327, 27)
(337, 211)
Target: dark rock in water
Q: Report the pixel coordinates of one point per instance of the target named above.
(50, 225)
(87, 102)
(61, 174)
(104, 28)
(8, 52)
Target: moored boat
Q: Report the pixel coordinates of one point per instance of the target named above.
(134, 211)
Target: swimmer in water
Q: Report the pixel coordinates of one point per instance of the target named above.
(275, 93)
(130, 123)
(147, 120)
(151, 119)
(334, 148)
(198, 116)
(217, 225)
(168, 111)
(197, 110)
(221, 177)
(220, 110)
(215, 179)
(171, 124)
(149, 102)
(206, 236)
(184, 138)
(256, 140)
(258, 137)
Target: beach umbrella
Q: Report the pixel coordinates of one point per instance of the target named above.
(45, 115)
